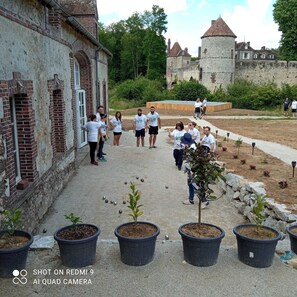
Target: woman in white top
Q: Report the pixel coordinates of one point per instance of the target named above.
(197, 105)
(92, 128)
(178, 150)
(194, 132)
(116, 124)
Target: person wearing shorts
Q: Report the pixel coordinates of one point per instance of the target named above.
(154, 124)
(294, 107)
(286, 107)
(139, 127)
(197, 112)
(116, 124)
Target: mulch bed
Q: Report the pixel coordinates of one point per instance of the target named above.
(137, 230)
(77, 232)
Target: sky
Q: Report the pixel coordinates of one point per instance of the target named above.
(188, 20)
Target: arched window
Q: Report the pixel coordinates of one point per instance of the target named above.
(76, 75)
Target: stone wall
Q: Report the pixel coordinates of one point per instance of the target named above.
(261, 72)
(243, 193)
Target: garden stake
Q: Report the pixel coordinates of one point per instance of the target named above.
(253, 147)
(293, 165)
(228, 134)
(217, 133)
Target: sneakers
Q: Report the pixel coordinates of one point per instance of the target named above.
(102, 159)
(104, 154)
(204, 204)
(188, 202)
(94, 163)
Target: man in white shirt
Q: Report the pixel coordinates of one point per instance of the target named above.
(208, 141)
(204, 103)
(139, 127)
(294, 107)
(153, 123)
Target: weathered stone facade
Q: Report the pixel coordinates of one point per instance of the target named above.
(219, 62)
(52, 68)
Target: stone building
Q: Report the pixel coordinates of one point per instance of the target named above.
(221, 61)
(53, 73)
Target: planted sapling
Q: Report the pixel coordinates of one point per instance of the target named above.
(133, 203)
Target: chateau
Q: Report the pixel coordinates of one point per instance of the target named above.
(53, 73)
(221, 61)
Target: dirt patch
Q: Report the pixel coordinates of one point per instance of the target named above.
(137, 230)
(257, 232)
(11, 242)
(261, 167)
(201, 231)
(77, 232)
(279, 131)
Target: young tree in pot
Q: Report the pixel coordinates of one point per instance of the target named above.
(77, 242)
(201, 241)
(256, 243)
(137, 240)
(14, 244)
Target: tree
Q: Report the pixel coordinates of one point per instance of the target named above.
(285, 15)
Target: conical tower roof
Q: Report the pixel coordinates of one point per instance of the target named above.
(219, 28)
(175, 50)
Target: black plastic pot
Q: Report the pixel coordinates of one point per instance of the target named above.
(202, 252)
(293, 238)
(14, 259)
(77, 253)
(256, 252)
(137, 251)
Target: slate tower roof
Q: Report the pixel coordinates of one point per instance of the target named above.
(219, 28)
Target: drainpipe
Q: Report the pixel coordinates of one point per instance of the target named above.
(97, 82)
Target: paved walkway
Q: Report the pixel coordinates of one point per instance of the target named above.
(163, 189)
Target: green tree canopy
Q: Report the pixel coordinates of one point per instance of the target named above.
(285, 15)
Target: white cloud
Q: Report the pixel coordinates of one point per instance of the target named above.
(201, 4)
(254, 22)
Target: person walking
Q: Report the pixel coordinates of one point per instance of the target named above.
(102, 138)
(203, 107)
(197, 112)
(286, 107)
(208, 141)
(116, 124)
(139, 127)
(188, 142)
(92, 128)
(153, 123)
(294, 107)
(178, 151)
(194, 131)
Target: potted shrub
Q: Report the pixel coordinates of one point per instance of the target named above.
(14, 244)
(201, 241)
(137, 240)
(77, 242)
(256, 243)
(292, 230)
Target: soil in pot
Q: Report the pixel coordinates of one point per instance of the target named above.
(201, 230)
(11, 242)
(137, 230)
(77, 232)
(257, 232)
(294, 230)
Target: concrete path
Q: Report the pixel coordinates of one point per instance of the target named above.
(168, 274)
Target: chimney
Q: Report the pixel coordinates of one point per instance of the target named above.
(248, 43)
(263, 48)
(186, 50)
(168, 46)
(212, 22)
(199, 52)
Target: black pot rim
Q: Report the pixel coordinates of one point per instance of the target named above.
(19, 233)
(117, 234)
(75, 241)
(290, 232)
(222, 235)
(276, 238)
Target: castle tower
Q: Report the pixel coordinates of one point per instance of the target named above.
(217, 63)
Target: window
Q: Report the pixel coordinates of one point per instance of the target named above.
(246, 56)
(263, 56)
(232, 53)
(76, 75)
(255, 56)
(15, 144)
